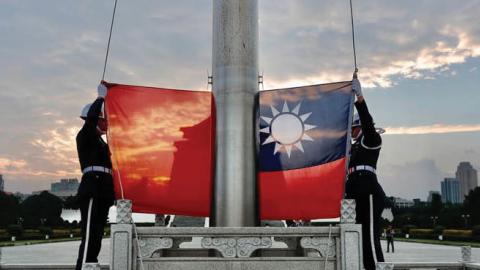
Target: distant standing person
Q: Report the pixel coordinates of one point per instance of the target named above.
(362, 184)
(390, 233)
(95, 192)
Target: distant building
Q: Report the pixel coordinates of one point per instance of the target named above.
(2, 183)
(65, 188)
(403, 203)
(430, 195)
(451, 190)
(418, 201)
(467, 177)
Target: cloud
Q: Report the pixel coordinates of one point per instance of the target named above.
(34, 156)
(59, 148)
(23, 169)
(470, 151)
(432, 129)
(392, 41)
(7, 165)
(411, 179)
(155, 129)
(318, 134)
(52, 56)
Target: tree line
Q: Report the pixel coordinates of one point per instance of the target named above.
(45, 209)
(437, 214)
(42, 209)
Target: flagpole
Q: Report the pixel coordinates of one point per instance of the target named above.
(235, 88)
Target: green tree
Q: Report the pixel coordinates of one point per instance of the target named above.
(436, 205)
(472, 206)
(71, 202)
(43, 209)
(451, 217)
(9, 209)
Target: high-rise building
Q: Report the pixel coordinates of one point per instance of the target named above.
(64, 188)
(467, 177)
(2, 184)
(451, 191)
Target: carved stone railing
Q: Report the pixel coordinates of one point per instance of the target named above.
(324, 246)
(334, 247)
(121, 237)
(148, 246)
(466, 254)
(421, 265)
(205, 248)
(238, 242)
(236, 246)
(285, 261)
(347, 211)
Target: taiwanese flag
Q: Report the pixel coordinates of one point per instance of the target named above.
(303, 146)
(161, 146)
(162, 149)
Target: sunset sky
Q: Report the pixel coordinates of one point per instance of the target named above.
(419, 64)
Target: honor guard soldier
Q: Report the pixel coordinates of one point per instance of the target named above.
(362, 184)
(95, 193)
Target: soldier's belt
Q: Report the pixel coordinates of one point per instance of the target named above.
(362, 168)
(97, 169)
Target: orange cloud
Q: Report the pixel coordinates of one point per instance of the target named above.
(156, 129)
(434, 58)
(21, 167)
(316, 134)
(161, 178)
(59, 147)
(11, 164)
(432, 129)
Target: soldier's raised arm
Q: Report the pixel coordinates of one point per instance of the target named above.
(371, 139)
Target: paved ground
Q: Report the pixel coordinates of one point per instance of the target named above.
(66, 252)
(415, 252)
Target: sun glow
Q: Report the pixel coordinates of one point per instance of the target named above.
(287, 129)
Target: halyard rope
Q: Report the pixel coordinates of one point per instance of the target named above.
(109, 39)
(353, 38)
(115, 160)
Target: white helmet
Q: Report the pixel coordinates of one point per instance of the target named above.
(356, 123)
(85, 110)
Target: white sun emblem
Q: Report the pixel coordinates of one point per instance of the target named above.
(287, 129)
